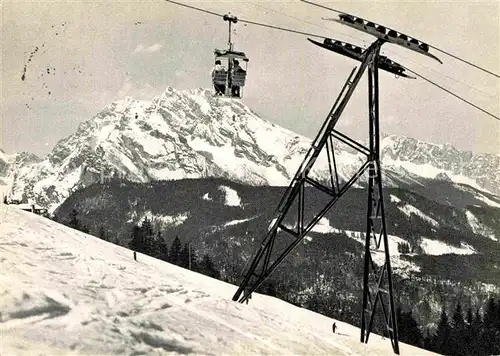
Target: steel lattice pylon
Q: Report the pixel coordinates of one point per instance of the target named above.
(377, 286)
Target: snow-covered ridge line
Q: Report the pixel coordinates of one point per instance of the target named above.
(479, 228)
(410, 209)
(191, 134)
(428, 160)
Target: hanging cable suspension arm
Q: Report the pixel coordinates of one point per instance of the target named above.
(437, 49)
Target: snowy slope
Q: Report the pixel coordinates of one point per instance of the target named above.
(65, 292)
(190, 134)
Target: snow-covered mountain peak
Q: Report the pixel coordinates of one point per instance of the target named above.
(394, 143)
(179, 134)
(192, 134)
(120, 106)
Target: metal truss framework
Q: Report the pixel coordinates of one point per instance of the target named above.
(377, 282)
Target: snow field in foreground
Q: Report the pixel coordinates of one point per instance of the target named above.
(67, 293)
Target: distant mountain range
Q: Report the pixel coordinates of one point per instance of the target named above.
(190, 134)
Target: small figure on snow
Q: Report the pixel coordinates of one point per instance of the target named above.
(334, 327)
(135, 256)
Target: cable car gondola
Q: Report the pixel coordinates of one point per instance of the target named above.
(230, 70)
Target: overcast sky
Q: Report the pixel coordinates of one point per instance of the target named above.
(91, 53)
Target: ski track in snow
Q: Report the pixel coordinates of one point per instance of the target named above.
(65, 292)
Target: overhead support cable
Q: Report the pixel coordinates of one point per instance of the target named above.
(465, 61)
(251, 22)
(479, 91)
(450, 92)
(308, 22)
(283, 29)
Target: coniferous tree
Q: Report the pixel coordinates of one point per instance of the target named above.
(162, 247)
(443, 332)
(271, 288)
(188, 254)
(468, 333)
(401, 324)
(498, 315)
(137, 243)
(490, 314)
(147, 227)
(194, 260)
(153, 244)
(428, 343)
(456, 342)
(174, 255)
(102, 233)
(408, 329)
(76, 224)
(207, 267)
(73, 222)
(84, 229)
(477, 331)
(148, 238)
(404, 247)
(184, 256)
(491, 334)
(5, 200)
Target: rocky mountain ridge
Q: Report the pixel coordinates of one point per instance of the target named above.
(191, 134)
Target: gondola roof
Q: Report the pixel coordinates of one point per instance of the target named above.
(231, 54)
